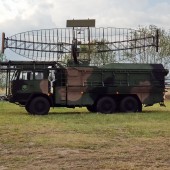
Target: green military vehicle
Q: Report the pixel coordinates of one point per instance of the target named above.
(107, 87)
(110, 88)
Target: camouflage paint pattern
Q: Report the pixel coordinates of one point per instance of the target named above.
(22, 89)
(142, 91)
(74, 86)
(84, 85)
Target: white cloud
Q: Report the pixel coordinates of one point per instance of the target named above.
(23, 15)
(12, 8)
(122, 13)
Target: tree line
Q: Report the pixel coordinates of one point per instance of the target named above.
(101, 52)
(2, 74)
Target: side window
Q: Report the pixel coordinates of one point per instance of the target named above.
(39, 75)
(26, 75)
(29, 75)
(51, 76)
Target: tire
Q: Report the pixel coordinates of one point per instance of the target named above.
(140, 107)
(91, 108)
(39, 106)
(106, 105)
(129, 104)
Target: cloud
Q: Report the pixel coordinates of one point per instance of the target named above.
(50, 13)
(23, 15)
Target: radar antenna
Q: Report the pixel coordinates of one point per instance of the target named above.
(80, 42)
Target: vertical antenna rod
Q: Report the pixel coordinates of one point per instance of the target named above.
(3, 43)
(157, 40)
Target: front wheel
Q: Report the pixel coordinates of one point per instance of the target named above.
(39, 106)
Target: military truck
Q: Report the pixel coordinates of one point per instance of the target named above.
(110, 88)
(107, 87)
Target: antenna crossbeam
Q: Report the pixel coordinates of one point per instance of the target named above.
(62, 44)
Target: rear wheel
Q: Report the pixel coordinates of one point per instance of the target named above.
(39, 106)
(129, 104)
(106, 105)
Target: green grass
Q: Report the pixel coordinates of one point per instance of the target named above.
(77, 139)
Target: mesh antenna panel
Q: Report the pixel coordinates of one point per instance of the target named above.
(81, 41)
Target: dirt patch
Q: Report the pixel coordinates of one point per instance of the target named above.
(80, 140)
(125, 154)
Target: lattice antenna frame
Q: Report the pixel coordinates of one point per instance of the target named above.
(86, 43)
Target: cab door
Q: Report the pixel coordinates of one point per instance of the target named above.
(59, 87)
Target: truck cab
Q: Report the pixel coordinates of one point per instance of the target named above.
(29, 84)
(26, 83)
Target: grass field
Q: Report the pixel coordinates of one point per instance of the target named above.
(76, 139)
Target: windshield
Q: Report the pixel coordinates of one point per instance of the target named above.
(28, 75)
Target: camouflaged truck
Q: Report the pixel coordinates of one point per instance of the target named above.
(107, 89)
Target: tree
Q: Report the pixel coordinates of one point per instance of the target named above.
(149, 54)
(2, 75)
(98, 53)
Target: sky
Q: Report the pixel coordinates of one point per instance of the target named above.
(24, 15)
